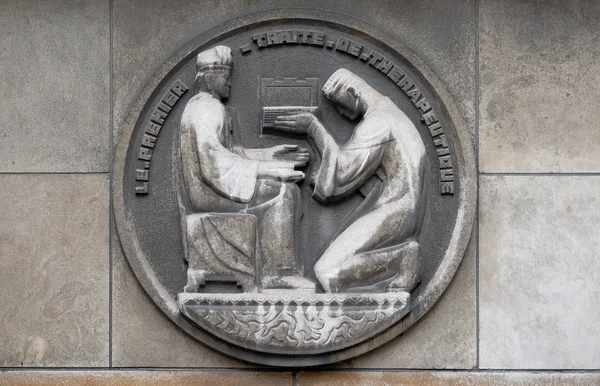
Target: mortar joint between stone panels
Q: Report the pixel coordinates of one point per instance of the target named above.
(477, 112)
(110, 161)
(275, 370)
(477, 84)
(439, 370)
(54, 173)
(541, 174)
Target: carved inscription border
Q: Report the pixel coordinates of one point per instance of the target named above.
(386, 67)
(151, 132)
(342, 45)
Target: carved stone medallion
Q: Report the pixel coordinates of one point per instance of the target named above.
(294, 188)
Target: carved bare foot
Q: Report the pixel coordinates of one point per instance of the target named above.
(297, 283)
(410, 274)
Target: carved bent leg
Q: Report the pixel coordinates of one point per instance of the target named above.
(278, 213)
(399, 266)
(357, 259)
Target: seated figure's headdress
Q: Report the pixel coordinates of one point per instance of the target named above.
(219, 57)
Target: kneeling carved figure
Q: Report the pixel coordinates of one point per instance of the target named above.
(384, 154)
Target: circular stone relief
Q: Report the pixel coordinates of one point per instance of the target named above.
(294, 188)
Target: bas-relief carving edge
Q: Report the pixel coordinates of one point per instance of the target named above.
(457, 246)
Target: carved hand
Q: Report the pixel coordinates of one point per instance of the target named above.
(280, 170)
(296, 123)
(292, 153)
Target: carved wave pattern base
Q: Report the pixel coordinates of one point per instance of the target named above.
(295, 324)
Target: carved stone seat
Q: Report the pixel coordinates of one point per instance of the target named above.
(221, 248)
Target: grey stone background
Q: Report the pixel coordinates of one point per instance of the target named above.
(526, 75)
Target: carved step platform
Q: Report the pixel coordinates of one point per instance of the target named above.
(294, 323)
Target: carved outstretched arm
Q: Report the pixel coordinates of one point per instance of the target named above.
(227, 173)
(345, 169)
(291, 153)
(255, 154)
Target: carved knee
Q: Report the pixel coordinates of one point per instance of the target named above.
(324, 274)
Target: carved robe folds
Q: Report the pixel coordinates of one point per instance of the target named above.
(225, 208)
(379, 247)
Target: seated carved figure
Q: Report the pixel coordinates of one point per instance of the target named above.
(231, 197)
(378, 250)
